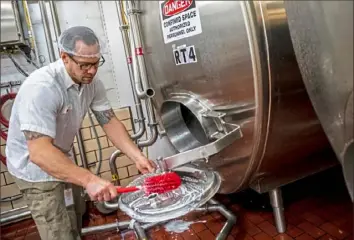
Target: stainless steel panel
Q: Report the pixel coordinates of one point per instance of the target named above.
(322, 35)
(246, 69)
(10, 25)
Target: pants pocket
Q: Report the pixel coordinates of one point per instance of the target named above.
(50, 214)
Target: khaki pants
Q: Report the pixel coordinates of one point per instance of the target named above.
(46, 202)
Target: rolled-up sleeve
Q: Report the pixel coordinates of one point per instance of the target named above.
(38, 110)
(100, 101)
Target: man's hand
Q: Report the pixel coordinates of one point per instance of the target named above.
(145, 165)
(100, 190)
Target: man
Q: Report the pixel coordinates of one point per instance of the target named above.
(46, 115)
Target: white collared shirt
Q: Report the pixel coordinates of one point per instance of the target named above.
(50, 103)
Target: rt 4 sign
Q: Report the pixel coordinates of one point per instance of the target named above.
(185, 55)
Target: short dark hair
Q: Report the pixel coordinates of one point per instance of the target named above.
(70, 36)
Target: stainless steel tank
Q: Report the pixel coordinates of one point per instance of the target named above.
(240, 63)
(322, 35)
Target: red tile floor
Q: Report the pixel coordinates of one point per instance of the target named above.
(317, 207)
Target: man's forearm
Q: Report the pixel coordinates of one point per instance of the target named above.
(117, 133)
(119, 136)
(57, 164)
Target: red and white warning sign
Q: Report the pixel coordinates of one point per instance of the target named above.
(179, 19)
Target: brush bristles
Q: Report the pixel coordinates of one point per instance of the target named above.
(162, 183)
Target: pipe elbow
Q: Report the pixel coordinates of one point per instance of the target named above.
(111, 206)
(150, 141)
(139, 133)
(145, 94)
(115, 155)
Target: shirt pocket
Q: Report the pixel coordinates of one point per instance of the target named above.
(64, 116)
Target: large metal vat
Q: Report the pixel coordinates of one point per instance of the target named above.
(322, 34)
(246, 69)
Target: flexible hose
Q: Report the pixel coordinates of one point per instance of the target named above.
(30, 60)
(3, 159)
(3, 135)
(98, 144)
(4, 121)
(4, 99)
(18, 67)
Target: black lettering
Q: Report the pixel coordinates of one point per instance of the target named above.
(191, 29)
(184, 54)
(175, 34)
(189, 15)
(178, 61)
(172, 21)
(191, 54)
(181, 25)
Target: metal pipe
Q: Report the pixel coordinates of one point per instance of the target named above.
(127, 49)
(118, 226)
(152, 126)
(231, 220)
(138, 56)
(278, 209)
(113, 166)
(100, 158)
(74, 156)
(115, 177)
(139, 69)
(47, 34)
(110, 205)
(55, 19)
(215, 206)
(82, 149)
(105, 227)
(25, 5)
(15, 215)
(139, 231)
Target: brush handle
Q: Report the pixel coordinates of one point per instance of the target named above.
(128, 189)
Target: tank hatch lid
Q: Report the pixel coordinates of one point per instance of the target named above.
(196, 189)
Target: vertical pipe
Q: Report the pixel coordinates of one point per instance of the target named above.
(278, 209)
(54, 13)
(28, 16)
(127, 49)
(152, 126)
(140, 70)
(231, 218)
(80, 143)
(113, 166)
(139, 231)
(47, 34)
(138, 54)
(74, 156)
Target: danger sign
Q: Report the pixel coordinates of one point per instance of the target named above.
(179, 19)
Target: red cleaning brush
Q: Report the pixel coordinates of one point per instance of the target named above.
(156, 184)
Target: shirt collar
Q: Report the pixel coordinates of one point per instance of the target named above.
(66, 77)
